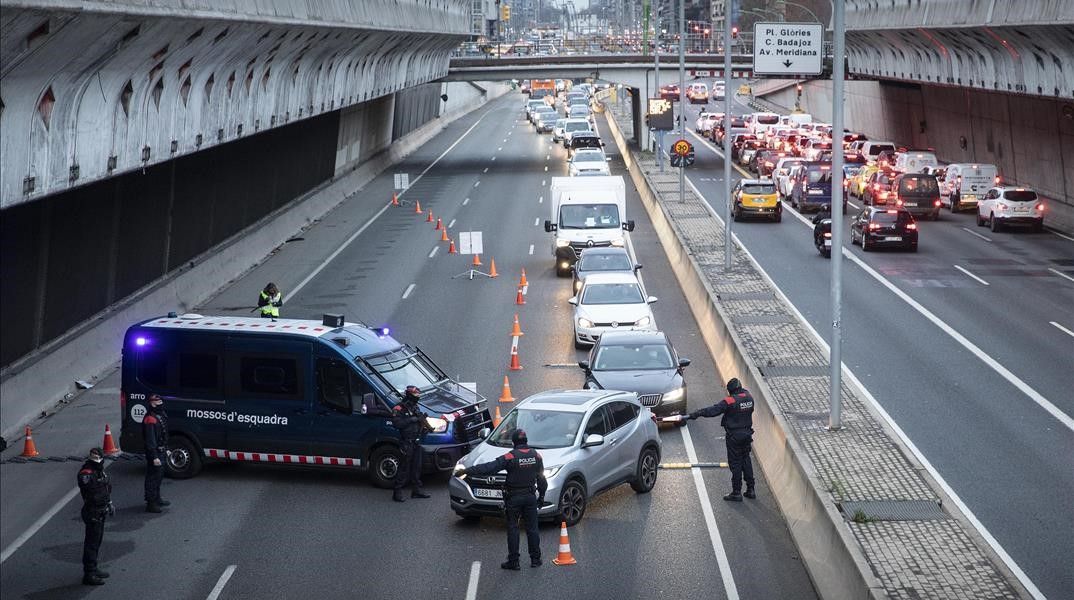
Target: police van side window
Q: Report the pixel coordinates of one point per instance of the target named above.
(334, 384)
(153, 367)
(199, 371)
(276, 376)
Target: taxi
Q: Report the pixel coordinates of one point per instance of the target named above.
(756, 197)
(859, 181)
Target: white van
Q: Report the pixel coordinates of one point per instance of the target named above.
(762, 121)
(799, 119)
(964, 184)
(872, 149)
(915, 161)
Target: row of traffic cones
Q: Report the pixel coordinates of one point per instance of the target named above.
(444, 237)
(29, 448)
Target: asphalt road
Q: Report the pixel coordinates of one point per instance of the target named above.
(330, 534)
(1005, 455)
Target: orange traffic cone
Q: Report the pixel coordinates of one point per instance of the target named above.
(477, 260)
(492, 269)
(564, 558)
(417, 207)
(445, 238)
(505, 395)
(439, 224)
(523, 281)
(519, 298)
(29, 450)
(109, 445)
(395, 199)
(451, 247)
(496, 418)
(517, 329)
(429, 218)
(515, 366)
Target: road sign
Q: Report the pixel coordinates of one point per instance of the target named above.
(700, 73)
(402, 181)
(661, 114)
(470, 242)
(788, 48)
(681, 148)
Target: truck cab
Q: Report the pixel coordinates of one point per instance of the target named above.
(587, 212)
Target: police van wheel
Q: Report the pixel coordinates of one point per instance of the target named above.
(383, 466)
(183, 461)
(572, 502)
(645, 478)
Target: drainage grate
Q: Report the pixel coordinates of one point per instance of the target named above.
(746, 296)
(762, 319)
(894, 510)
(794, 370)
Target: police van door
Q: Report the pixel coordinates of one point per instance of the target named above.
(269, 395)
(348, 416)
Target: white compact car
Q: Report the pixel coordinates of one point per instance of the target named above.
(1004, 206)
(610, 301)
(588, 161)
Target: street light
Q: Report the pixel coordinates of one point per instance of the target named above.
(801, 6)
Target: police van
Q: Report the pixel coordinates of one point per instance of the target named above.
(289, 391)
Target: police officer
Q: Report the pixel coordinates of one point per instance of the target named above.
(410, 421)
(269, 301)
(155, 434)
(523, 494)
(96, 493)
(737, 421)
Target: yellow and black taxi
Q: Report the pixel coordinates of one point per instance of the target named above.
(757, 198)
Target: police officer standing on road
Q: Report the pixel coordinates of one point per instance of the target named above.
(269, 301)
(410, 421)
(737, 411)
(155, 434)
(523, 494)
(96, 493)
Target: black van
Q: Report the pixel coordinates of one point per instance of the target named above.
(918, 193)
(289, 391)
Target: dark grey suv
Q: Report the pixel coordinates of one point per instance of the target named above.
(643, 362)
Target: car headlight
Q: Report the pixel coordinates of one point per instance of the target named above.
(644, 321)
(584, 323)
(550, 472)
(562, 243)
(673, 395)
(437, 424)
(458, 467)
(618, 243)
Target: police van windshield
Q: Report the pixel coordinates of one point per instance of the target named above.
(589, 216)
(544, 428)
(402, 368)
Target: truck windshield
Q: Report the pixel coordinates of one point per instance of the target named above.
(589, 216)
(403, 367)
(544, 428)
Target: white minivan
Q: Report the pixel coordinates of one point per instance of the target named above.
(915, 161)
(762, 121)
(964, 184)
(872, 149)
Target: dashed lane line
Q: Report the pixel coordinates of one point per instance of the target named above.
(979, 280)
(546, 167)
(531, 249)
(540, 200)
(537, 221)
(478, 182)
(1065, 237)
(434, 251)
(466, 201)
(220, 583)
(544, 182)
(38, 524)
(972, 232)
(451, 225)
(1056, 325)
(475, 575)
(409, 288)
(486, 170)
(710, 519)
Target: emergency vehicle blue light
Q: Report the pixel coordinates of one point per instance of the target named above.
(384, 331)
(140, 341)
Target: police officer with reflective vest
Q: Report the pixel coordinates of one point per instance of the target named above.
(410, 421)
(155, 434)
(737, 411)
(96, 493)
(270, 302)
(522, 496)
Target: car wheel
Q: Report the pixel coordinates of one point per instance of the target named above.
(645, 476)
(980, 221)
(994, 223)
(383, 465)
(853, 238)
(865, 243)
(572, 502)
(183, 461)
(734, 213)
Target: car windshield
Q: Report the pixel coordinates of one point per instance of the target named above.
(1020, 196)
(588, 157)
(560, 123)
(819, 176)
(633, 357)
(588, 216)
(576, 127)
(919, 185)
(544, 428)
(604, 262)
(612, 293)
(759, 188)
(403, 367)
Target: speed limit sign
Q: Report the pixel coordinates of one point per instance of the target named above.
(681, 148)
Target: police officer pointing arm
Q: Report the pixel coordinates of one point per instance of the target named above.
(737, 412)
(524, 493)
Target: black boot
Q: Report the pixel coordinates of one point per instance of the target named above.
(152, 507)
(535, 562)
(511, 566)
(397, 495)
(162, 502)
(750, 493)
(101, 574)
(734, 496)
(92, 579)
(419, 494)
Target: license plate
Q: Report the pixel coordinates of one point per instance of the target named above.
(911, 204)
(970, 197)
(893, 238)
(487, 493)
(1021, 210)
(827, 243)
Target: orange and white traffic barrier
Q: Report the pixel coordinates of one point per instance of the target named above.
(29, 450)
(505, 395)
(564, 557)
(515, 366)
(519, 298)
(516, 331)
(109, 445)
(492, 268)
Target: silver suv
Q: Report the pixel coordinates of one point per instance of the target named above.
(590, 440)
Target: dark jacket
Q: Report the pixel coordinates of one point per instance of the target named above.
(94, 486)
(737, 410)
(155, 433)
(525, 471)
(409, 420)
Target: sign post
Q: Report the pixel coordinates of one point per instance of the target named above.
(788, 48)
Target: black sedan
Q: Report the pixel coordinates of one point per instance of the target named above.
(878, 227)
(643, 362)
(601, 260)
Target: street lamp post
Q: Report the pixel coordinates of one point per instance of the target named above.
(801, 6)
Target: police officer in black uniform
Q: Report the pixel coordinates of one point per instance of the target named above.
(737, 411)
(523, 494)
(96, 493)
(155, 434)
(410, 421)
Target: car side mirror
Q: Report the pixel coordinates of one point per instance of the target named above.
(584, 365)
(484, 433)
(629, 225)
(651, 299)
(549, 226)
(684, 362)
(637, 268)
(593, 439)
(573, 301)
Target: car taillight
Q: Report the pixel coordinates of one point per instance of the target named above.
(122, 402)
(898, 202)
(936, 202)
(827, 234)
(846, 183)
(911, 226)
(1040, 207)
(996, 179)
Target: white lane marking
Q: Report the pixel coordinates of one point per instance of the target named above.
(856, 207)
(478, 182)
(486, 170)
(531, 248)
(499, 149)
(465, 202)
(1061, 274)
(979, 280)
(710, 519)
(387, 205)
(475, 575)
(546, 167)
(547, 156)
(1057, 325)
(537, 221)
(540, 200)
(494, 158)
(220, 583)
(1065, 237)
(435, 250)
(38, 524)
(409, 288)
(972, 232)
(920, 456)
(451, 225)
(544, 182)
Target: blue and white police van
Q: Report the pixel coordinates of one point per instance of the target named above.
(289, 391)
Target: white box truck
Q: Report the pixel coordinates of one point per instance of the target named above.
(587, 212)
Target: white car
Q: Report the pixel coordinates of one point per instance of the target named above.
(558, 130)
(718, 91)
(782, 175)
(701, 117)
(710, 121)
(1003, 206)
(610, 301)
(572, 126)
(588, 161)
